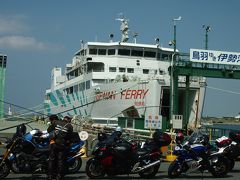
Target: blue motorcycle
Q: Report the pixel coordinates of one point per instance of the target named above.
(29, 153)
(195, 155)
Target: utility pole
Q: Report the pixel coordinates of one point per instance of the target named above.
(172, 91)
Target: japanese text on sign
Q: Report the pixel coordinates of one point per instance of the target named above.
(216, 57)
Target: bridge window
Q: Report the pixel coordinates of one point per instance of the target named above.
(111, 51)
(102, 51)
(165, 56)
(137, 53)
(150, 54)
(93, 51)
(124, 52)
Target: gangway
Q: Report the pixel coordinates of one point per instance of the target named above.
(184, 67)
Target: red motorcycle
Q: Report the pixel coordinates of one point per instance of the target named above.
(118, 157)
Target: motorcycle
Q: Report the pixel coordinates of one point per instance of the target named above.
(196, 155)
(29, 153)
(231, 146)
(122, 157)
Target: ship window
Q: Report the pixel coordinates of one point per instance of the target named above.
(130, 70)
(111, 51)
(149, 54)
(112, 69)
(82, 52)
(87, 84)
(125, 52)
(75, 88)
(92, 51)
(82, 86)
(145, 71)
(137, 53)
(121, 69)
(102, 51)
(165, 56)
(158, 56)
(71, 90)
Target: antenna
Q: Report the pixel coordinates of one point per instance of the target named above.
(82, 44)
(135, 34)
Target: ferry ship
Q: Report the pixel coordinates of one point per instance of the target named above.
(108, 80)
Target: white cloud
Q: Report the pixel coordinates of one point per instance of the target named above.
(22, 43)
(12, 24)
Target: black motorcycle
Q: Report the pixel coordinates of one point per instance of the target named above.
(24, 155)
(118, 157)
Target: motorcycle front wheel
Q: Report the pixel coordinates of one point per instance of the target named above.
(75, 165)
(4, 169)
(94, 169)
(174, 170)
(220, 168)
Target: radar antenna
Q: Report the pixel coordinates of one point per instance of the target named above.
(124, 29)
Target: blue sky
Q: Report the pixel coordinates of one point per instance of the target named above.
(39, 35)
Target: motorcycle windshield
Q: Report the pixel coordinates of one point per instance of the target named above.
(196, 137)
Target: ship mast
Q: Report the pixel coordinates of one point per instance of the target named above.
(124, 29)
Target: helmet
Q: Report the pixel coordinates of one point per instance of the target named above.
(53, 117)
(21, 129)
(67, 118)
(118, 131)
(179, 138)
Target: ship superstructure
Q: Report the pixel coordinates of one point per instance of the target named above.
(107, 80)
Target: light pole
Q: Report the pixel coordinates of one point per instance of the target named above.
(174, 42)
(207, 29)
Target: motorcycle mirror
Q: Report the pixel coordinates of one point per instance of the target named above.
(83, 135)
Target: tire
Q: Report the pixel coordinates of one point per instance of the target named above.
(94, 169)
(231, 164)
(174, 170)
(149, 172)
(220, 168)
(75, 165)
(4, 169)
(14, 167)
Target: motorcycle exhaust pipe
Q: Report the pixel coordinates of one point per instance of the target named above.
(138, 169)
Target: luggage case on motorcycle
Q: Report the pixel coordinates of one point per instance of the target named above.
(223, 141)
(163, 139)
(235, 136)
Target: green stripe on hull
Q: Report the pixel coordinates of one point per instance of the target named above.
(60, 97)
(53, 99)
